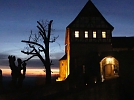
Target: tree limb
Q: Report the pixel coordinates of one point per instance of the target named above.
(28, 53)
(41, 28)
(49, 29)
(54, 39)
(30, 42)
(29, 58)
(42, 35)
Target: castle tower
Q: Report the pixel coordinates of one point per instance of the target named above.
(89, 32)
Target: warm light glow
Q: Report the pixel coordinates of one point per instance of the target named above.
(94, 34)
(34, 72)
(30, 72)
(68, 57)
(66, 67)
(109, 68)
(76, 34)
(109, 60)
(95, 81)
(102, 80)
(86, 34)
(6, 72)
(103, 34)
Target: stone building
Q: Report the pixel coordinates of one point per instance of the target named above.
(90, 48)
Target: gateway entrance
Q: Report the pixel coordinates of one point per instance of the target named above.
(109, 68)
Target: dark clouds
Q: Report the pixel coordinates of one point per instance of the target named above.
(3, 56)
(36, 63)
(4, 60)
(4, 63)
(33, 63)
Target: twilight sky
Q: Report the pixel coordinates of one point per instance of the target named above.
(18, 17)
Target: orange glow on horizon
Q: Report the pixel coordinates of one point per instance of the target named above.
(30, 72)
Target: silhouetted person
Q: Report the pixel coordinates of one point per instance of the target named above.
(21, 76)
(0, 78)
(24, 69)
(17, 76)
(19, 68)
(13, 68)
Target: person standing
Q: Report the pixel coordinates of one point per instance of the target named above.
(24, 69)
(0, 78)
(19, 75)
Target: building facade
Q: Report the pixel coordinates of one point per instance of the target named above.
(90, 49)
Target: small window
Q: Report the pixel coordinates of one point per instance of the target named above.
(103, 34)
(94, 34)
(76, 34)
(86, 34)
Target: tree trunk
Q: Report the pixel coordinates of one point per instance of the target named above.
(45, 35)
(48, 64)
(48, 75)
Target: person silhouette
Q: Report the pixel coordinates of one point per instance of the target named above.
(13, 68)
(24, 68)
(19, 68)
(17, 76)
(0, 78)
(21, 76)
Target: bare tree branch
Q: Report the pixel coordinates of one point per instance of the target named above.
(42, 35)
(49, 29)
(28, 53)
(29, 58)
(54, 39)
(42, 29)
(30, 42)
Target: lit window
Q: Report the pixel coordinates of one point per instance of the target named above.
(103, 34)
(86, 34)
(76, 34)
(94, 34)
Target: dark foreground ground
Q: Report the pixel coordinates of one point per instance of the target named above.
(113, 89)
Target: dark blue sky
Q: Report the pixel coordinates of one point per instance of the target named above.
(18, 17)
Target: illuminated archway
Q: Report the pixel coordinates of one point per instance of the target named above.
(109, 68)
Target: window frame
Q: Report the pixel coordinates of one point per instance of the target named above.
(104, 34)
(86, 34)
(94, 34)
(76, 34)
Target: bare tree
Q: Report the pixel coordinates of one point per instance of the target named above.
(38, 45)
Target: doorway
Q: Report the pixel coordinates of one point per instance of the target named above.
(109, 68)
